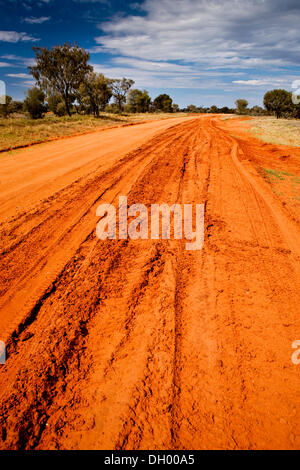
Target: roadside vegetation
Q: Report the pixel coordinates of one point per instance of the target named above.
(276, 131)
(286, 186)
(70, 96)
(18, 131)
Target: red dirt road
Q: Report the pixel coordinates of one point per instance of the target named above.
(142, 344)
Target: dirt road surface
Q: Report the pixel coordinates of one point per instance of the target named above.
(142, 344)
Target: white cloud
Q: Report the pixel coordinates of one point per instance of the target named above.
(251, 82)
(212, 33)
(105, 2)
(284, 81)
(225, 46)
(25, 84)
(14, 36)
(36, 20)
(18, 75)
(19, 61)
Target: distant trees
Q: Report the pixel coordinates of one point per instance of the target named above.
(56, 105)
(96, 91)
(17, 106)
(138, 101)
(214, 109)
(163, 103)
(192, 109)
(70, 84)
(61, 70)
(34, 104)
(6, 107)
(257, 111)
(241, 106)
(120, 89)
(278, 102)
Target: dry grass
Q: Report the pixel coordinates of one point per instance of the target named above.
(276, 131)
(230, 116)
(15, 132)
(286, 186)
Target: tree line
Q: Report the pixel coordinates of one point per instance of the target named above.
(277, 102)
(66, 83)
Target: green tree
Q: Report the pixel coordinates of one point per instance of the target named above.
(192, 109)
(96, 92)
(120, 89)
(163, 103)
(278, 102)
(17, 106)
(6, 107)
(138, 101)
(61, 70)
(225, 110)
(241, 106)
(257, 111)
(214, 109)
(56, 104)
(175, 108)
(34, 104)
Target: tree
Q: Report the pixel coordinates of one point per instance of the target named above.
(138, 101)
(257, 111)
(175, 108)
(96, 92)
(17, 106)
(241, 106)
(6, 107)
(214, 109)
(225, 110)
(277, 102)
(35, 103)
(61, 70)
(163, 103)
(192, 109)
(296, 111)
(56, 104)
(120, 89)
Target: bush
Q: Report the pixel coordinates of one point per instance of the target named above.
(7, 107)
(34, 104)
(278, 102)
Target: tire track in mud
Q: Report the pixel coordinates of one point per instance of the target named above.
(141, 344)
(78, 218)
(53, 291)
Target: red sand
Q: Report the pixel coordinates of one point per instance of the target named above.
(143, 345)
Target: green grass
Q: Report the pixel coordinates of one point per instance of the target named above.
(274, 174)
(282, 181)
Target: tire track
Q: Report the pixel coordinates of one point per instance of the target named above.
(141, 344)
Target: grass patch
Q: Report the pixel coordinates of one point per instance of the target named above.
(274, 174)
(283, 184)
(19, 131)
(276, 131)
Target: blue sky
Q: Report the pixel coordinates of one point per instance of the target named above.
(199, 51)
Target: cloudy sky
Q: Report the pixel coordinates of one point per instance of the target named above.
(199, 51)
